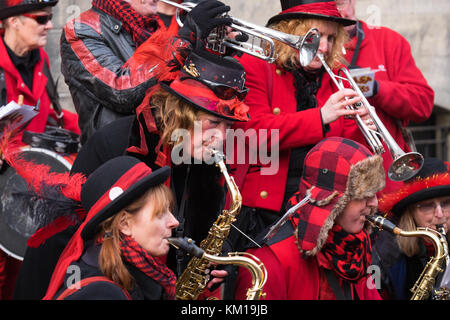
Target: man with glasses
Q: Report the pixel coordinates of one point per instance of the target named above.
(381, 61)
(24, 28)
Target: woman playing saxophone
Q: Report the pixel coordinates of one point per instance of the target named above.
(423, 202)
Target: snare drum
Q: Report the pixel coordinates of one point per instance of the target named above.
(17, 224)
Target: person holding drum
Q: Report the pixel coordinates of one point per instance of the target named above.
(23, 67)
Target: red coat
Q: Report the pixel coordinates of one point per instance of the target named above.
(274, 107)
(15, 87)
(403, 92)
(291, 277)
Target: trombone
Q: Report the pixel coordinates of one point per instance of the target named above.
(405, 165)
(306, 46)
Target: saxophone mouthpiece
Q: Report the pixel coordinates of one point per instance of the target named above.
(187, 245)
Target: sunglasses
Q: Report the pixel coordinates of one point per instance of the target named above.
(40, 19)
(225, 92)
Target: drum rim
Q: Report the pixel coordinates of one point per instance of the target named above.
(54, 154)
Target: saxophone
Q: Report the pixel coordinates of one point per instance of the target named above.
(424, 285)
(247, 260)
(193, 280)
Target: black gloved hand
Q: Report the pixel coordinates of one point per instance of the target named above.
(202, 19)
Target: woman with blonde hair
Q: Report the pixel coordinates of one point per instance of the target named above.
(423, 201)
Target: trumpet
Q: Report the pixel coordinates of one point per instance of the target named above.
(405, 165)
(261, 39)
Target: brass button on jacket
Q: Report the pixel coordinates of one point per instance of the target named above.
(264, 194)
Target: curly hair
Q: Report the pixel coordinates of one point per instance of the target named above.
(172, 113)
(287, 57)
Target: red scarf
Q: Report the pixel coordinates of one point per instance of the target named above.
(151, 266)
(140, 27)
(348, 253)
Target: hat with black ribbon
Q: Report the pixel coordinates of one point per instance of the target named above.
(9, 8)
(335, 172)
(310, 9)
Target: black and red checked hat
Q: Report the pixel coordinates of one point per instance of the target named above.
(9, 8)
(335, 171)
(310, 9)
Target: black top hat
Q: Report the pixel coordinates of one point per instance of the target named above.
(212, 83)
(9, 8)
(113, 186)
(432, 181)
(310, 9)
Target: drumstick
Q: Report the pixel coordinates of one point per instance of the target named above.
(20, 100)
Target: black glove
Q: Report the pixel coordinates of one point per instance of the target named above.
(202, 19)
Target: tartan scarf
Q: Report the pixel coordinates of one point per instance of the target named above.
(134, 254)
(348, 253)
(140, 27)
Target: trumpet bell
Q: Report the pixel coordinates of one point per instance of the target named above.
(309, 46)
(406, 166)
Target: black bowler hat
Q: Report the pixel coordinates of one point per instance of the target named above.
(310, 9)
(113, 186)
(9, 8)
(432, 181)
(212, 83)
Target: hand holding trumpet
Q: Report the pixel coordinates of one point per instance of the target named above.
(337, 106)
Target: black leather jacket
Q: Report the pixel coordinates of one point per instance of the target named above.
(94, 49)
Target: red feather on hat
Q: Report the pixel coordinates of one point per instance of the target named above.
(389, 200)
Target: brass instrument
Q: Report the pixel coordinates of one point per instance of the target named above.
(307, 45)
(424, 285)
(247, 260)
(405, 165)
(193, 280)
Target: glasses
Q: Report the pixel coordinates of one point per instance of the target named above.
(225, 92)
(40, 19)
(430, 207)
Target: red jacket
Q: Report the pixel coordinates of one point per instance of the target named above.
(291, 277)
(15, 87)
(403, 92)
(272, 103)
